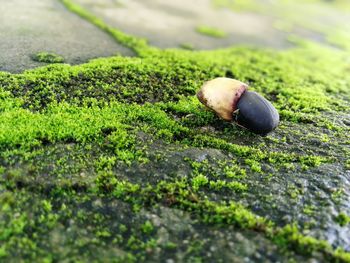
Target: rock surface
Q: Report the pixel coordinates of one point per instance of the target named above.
(29, 27)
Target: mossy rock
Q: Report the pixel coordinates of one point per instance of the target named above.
(116, 158)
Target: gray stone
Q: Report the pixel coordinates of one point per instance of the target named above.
(169, 24)
(29, 27)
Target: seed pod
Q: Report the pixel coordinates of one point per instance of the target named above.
(256, 113)
(231, 101)
(221, 95)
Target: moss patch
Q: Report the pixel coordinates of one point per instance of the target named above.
(47, 57)
(211, 32)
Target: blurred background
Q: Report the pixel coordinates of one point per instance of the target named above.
(29, 27)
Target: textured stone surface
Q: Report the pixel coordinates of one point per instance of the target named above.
(172, 23)
(29, 27)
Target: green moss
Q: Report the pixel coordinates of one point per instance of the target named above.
(347, 164)
(342, 219)
(199, 181)
(187, 46)
(109, 104)
(337, 194)
(147, 227)
(309, 209)
(290, 237)
(287, 237)
(47, 57)
(211, 31)
(137, 44)
(235, 186)
(254, 165)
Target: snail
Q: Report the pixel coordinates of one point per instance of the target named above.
(231, 100)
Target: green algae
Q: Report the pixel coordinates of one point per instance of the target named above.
(111, 114)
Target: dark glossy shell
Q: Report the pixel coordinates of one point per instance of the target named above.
(256, 113)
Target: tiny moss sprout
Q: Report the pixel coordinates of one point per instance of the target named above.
(48, 57)
(211, 31)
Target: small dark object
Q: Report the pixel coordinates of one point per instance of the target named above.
(256, 113)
